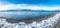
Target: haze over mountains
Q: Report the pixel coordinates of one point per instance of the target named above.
(30, 10)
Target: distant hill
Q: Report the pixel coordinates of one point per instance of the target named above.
(31, 10)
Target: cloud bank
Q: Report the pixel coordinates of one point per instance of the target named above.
(26, 6)
(10, 6)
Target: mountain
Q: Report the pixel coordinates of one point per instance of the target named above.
(31, 10)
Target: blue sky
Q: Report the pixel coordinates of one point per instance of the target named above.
(30, 4)
(43, 2)
(23, 1)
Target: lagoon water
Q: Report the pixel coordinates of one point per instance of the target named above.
(19, 15)
(25, 14)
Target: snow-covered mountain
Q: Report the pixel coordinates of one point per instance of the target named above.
(30, 10)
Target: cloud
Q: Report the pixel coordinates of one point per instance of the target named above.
(18, 6)
(9, 6)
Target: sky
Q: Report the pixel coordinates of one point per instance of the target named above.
(30, 4)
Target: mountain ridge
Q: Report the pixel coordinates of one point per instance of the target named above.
(31, 10)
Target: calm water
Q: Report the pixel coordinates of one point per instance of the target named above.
(24, 14)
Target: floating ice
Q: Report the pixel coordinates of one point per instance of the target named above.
(48, 23)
